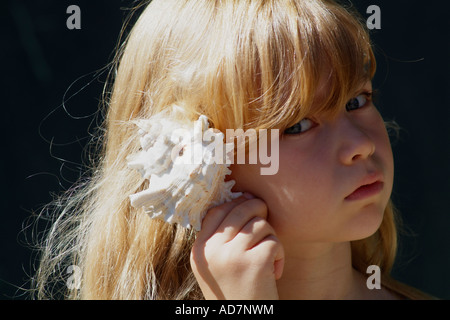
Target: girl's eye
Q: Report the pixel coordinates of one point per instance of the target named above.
(300, 127)
(359, 101)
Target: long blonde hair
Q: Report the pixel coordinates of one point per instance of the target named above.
(244, 64)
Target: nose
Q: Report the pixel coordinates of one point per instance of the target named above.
(355, 142)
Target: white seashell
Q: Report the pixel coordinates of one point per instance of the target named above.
(186, 177)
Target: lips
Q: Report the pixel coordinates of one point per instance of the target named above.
(371, 185)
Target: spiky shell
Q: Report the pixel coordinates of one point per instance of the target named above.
(185, 178)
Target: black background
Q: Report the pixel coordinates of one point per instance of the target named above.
(44, 64)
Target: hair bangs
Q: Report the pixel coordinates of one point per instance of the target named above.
(346, 59)
(319, 55)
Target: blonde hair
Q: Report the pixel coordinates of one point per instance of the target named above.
(244, 64)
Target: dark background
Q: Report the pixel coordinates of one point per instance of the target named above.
(52, 80)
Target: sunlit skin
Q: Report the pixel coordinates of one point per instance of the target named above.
(318, 169)
(309, 221)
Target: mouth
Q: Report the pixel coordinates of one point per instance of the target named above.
(366, 190)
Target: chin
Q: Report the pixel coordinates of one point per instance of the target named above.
(365, 223)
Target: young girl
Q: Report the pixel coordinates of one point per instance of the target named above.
(310, 231)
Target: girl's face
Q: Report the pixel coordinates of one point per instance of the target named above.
(322, 161)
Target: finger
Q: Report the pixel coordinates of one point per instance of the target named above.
(278, 265)
(253, 232)
(271, 247)
(216, 215)
(239, 216)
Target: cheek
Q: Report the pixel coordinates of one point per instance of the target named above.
(242, 175)
(297, 198)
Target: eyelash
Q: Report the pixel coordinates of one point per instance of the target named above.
(368, 95)
(298, 124)
(368, 98)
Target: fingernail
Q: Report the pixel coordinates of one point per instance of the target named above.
(248, 195)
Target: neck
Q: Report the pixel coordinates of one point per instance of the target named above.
(319, 271)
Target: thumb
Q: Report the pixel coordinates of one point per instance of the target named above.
(278, 265)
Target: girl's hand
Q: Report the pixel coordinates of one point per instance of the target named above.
(236, 254)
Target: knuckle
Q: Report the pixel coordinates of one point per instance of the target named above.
(259, 206)
(252, 207)
(258, 203)
(269, 246)
(272, 241)
(258, 225)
